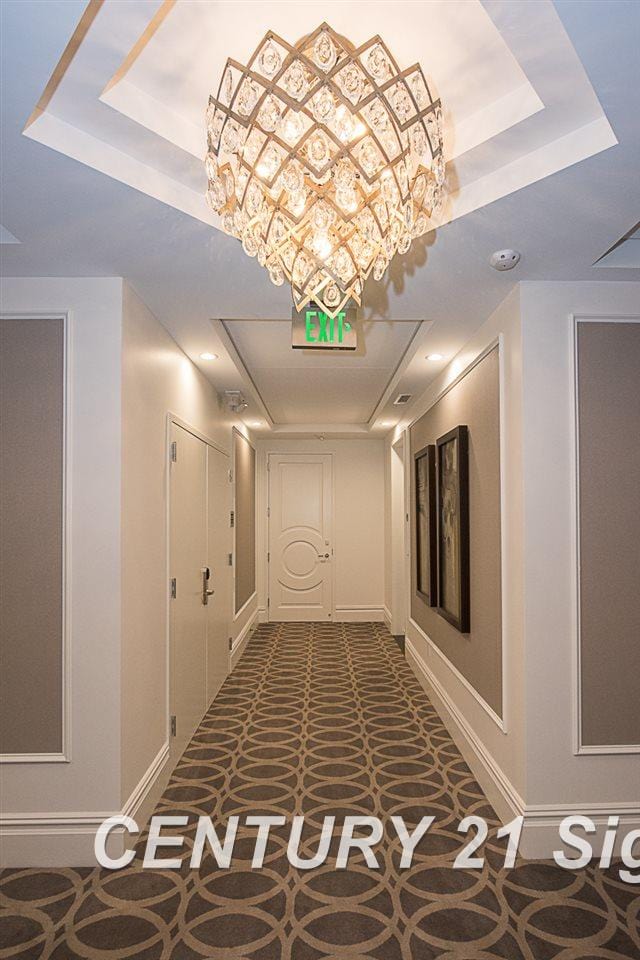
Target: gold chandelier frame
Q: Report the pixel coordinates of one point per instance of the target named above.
(255, 206)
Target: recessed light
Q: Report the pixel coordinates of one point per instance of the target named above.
(254, 423)
(209, 356)
(435, 356)
(388, 423)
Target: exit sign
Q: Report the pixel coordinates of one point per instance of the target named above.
(313, 329)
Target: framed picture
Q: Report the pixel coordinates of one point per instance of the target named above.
(426, 525)
(453, 528)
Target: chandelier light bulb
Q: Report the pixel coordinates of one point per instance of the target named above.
(325, 160)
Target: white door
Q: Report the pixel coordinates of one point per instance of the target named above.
(199, 538)
(300, 537)
(219, 602)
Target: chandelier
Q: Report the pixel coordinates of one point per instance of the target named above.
(325, 160)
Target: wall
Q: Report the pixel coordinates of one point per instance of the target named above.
(492, 741)
(608, 422)
(533, 762)
(50, 809)
(474, 401)
(157, 379)
(244, 473)
(32, 548)
(358, 481)
(557, 775)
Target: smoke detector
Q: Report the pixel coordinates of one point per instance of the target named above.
(504, 259)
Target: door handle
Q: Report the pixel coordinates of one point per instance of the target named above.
(206, 593)
(323, 556)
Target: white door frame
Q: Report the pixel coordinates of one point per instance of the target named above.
(171, 419)
(297, 453)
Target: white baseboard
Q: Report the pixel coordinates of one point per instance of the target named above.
(242, 639)
(263, 615)
(386, 616)
(66, 839)
(540, 836)
(359, 613)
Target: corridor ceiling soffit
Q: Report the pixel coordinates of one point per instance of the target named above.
(129, 94)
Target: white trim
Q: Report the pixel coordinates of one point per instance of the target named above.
(239, 614)
(242, 639)
(386, 613)
(508, 792)
(462, 679)
(495, 342)
(360, 613)
(141, 790)
(579, 748)
(64, 755)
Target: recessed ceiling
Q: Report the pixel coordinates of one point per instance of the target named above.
(625, 253)
(328, 386)
(527, 85)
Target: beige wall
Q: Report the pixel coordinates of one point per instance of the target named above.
(244, 467)
(358, 483)
(31, 535)
(557, 774)
(89, 783)
(608, 377)
(474, 401)
(157, 379)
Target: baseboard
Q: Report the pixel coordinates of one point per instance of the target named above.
(263, 615)
(66, 839)
(500, 791)
(540, 834)
(242, 639)
(359, 613)
(386, 616)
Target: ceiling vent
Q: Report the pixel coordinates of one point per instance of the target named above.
(401, 399)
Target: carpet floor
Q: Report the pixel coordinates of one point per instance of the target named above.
(323, 720)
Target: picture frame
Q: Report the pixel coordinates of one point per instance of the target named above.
(453, 528)
(426, 525)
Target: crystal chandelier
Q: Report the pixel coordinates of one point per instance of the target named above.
(325, 160)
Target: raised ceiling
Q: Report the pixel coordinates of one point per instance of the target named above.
(532, 89)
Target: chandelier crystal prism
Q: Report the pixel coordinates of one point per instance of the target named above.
(325, 160)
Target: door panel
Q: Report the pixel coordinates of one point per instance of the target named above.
(188, 691)
(300, 537)
(219, 605)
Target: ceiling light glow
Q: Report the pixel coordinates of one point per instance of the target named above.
(209, 356)
(323, 137)
(435, 356)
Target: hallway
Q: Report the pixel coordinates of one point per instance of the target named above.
(322, 719)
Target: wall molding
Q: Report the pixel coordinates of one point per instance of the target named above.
(581, 749)
(514, 802)
(386, 613)
(540, 835)
(456, 673)
(496, 342)
(64, 826)
(359, 613)
(242, 639)
(64, 754)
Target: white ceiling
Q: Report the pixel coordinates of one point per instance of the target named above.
(308, 386)
(539, 181)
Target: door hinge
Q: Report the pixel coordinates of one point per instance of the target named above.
(268, 601)
(230, 558)
(268, 557)
(268, 511)
(230, 643)
(174, 588)
(230, 475)
(174, 727)
(173, 451)
(232, 518)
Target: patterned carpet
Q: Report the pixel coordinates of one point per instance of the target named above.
(315, 720)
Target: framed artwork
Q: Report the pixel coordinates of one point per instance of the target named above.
(426, 525)
(453, 528)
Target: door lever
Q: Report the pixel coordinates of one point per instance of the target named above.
(322, 557)
(206, 593)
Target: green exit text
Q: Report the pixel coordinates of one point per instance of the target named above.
(320, 328)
